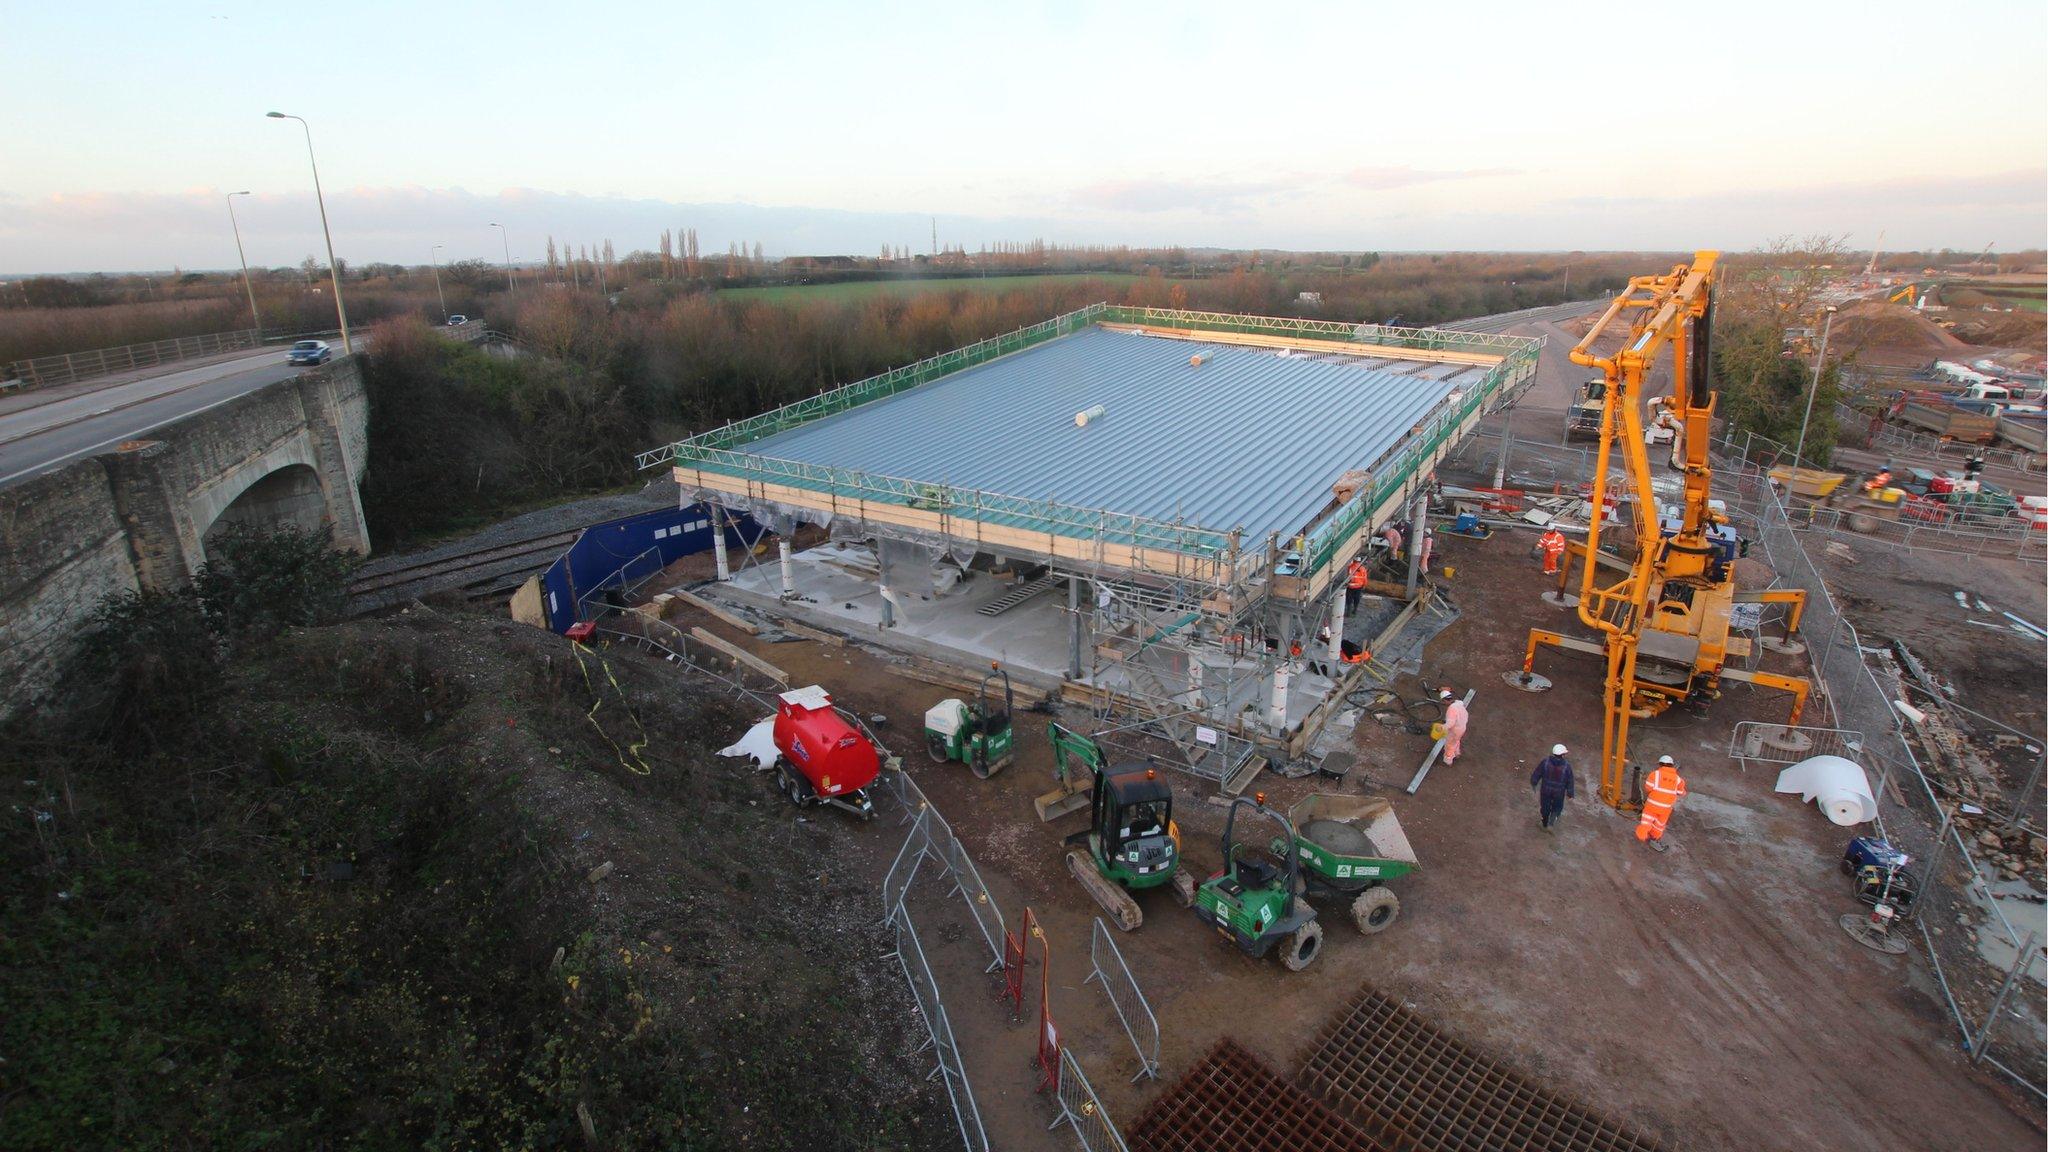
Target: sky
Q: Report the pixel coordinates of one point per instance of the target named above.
(839, 128)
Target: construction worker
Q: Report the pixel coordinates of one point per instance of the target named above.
(1427, 547)
(1553, 781)
(1354, 584)
(1392, 535)
(1456, 717)
(1881, 481)
(1551, 544)
(1661, 790)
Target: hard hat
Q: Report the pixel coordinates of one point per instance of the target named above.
(1557, 749)
(1666, 760)
(1443, 693)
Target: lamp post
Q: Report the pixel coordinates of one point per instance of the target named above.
(510, 288)
(333, 269)
(1799, 452)
(435, 255)
(254, 318)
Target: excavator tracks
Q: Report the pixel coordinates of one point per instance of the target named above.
(1113, 899)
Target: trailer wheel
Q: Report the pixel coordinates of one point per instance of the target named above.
(1303, 945)
(1375, 909)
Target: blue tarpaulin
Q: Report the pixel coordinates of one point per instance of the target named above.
(613, 556)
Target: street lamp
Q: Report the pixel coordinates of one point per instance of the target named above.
(435, 255)
(510, 288)
(333, 269)
(232, 223)
(1826, 327)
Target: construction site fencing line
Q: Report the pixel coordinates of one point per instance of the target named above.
(1858, 429)
(1913, 819)
(930, 835)
(924, 988)
(1132, 1009)
(1080, 1107)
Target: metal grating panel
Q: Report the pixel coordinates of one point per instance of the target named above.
(1231, 1102)
(1386, 1068)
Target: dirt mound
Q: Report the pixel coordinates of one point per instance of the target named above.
(2003, 329)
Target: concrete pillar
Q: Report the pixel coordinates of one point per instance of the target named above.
(882, 582)
(149, 505)
(1418, 523)
(1276, 708)
(1336, 655)
(788, 569)
(1073, 627)
(324, 393)
(718, 543)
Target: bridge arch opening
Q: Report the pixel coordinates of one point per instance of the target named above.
(291, 495)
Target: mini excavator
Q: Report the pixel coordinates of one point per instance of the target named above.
(1664, 620)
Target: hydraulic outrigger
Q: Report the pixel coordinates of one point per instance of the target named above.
(1664, 622)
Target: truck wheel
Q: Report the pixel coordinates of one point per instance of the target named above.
(1858, 522)
(1375, 909)
(1302, 947)
(936, 746)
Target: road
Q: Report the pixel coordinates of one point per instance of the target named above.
(1547, 314)
(43, 430)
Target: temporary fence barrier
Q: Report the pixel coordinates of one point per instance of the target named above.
(903, 869)
(1048, 1032)
(1012, 989)
(1911, 814)
(939, 1032)
(1080, 1107)
(1132, 1010)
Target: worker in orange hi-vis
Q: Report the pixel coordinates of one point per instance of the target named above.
(1661, 790)
(1551, 544)
(1354, 584)
(1392, 535)
(1456, 717)
(1426, 548)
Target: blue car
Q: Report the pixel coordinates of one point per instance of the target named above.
(309, 352)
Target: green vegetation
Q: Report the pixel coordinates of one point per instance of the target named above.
(292, 884)
(847, 290)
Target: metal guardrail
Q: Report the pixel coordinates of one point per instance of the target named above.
(1132, 1010)
(70, 367)
(924, 987)
(1080, 1107)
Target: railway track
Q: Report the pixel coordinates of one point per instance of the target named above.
(479, 574)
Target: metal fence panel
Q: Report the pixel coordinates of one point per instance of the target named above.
(939, 1031)
(1080, 1107)
(1132, 1010)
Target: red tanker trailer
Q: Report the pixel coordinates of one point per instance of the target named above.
(820, 758)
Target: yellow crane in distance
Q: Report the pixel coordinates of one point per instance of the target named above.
(1664, 621)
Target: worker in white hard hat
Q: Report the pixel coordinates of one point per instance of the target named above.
(1456, 717)
(1661, 790)
(1552, 780)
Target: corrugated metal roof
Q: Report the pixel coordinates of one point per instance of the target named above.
(1250, 439)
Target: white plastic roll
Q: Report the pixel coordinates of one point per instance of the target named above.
(1092, 412)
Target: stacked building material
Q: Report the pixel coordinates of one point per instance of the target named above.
(1231, 1102)
(1392, 1073)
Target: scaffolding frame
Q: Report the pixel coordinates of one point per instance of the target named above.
(1196, 624)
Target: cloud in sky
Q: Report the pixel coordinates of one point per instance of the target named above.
(1160, 195)
(155, 230)
(1386, 179)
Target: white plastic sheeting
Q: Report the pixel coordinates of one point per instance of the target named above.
(1839, 786)
(757, 745)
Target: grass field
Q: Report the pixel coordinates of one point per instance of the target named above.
(855, 290)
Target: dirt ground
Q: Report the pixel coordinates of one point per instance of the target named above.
(1706, 995)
